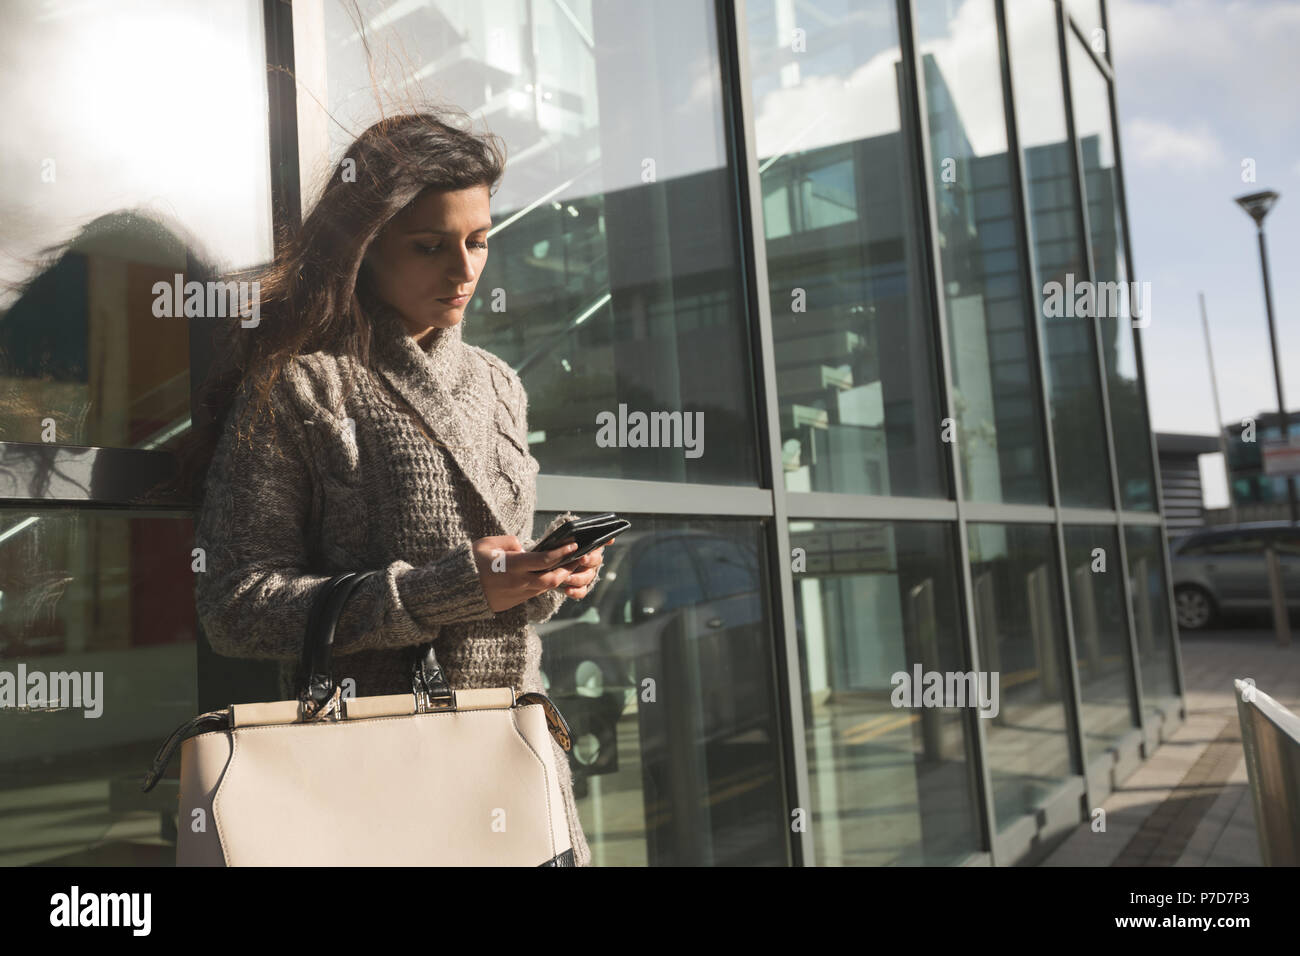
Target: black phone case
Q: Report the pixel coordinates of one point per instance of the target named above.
(589, 533)
(571, 529)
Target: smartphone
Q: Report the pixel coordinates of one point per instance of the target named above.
(589, 533)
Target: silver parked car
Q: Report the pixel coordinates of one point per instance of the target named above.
(1224, 570)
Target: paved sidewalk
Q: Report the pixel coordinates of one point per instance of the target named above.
(1190, 804)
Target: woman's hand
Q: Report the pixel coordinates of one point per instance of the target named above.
(579, 583)
(508, 572)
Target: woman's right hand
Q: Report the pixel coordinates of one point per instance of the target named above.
(507, 571)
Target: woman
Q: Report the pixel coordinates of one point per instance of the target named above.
(364, 433)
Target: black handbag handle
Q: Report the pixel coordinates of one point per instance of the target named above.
(316, 677)
(315, 671)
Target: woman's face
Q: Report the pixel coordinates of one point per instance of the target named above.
(430, 253)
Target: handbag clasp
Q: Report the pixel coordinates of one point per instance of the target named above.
(331, 707)
(432, 692)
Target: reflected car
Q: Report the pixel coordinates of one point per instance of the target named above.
(683, 608)
(1222, 571)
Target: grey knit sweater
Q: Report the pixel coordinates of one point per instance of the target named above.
(312, 494)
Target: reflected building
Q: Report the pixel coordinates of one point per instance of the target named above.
(1258, 494)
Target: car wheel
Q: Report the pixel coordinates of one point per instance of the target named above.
(1195, 608)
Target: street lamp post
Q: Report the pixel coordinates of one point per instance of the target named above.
(1257, 206)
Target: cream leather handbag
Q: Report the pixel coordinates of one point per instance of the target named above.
(436, 777)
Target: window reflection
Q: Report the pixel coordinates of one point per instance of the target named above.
(1155, 636)
(1100, 635)
(854, 360)
(1069, 342)
(664, 673)
(1127, 402)
(93, 595)
(614, 282)
(1021, 633)
(991, 352)
(890, 785)
(105, 195)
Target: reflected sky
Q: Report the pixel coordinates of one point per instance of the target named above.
(1040, 116)
(155, 104)
(841, 87)
(583, 94)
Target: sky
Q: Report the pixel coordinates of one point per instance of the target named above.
(1202, 86)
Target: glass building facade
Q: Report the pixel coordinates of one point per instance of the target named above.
(832, 229)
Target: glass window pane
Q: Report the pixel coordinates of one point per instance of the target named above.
(1100, 635)
(1069, 341)
(891, 784)
(1128, 414)
(1151, 619)
(668, 686)
(1021, 633)
(614, 284)
(117, 175)
(728, 568)
(665, 565)
(855, 364)
(98, 610)
(996, 399)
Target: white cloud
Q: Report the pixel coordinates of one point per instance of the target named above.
(1231, 58)
(1157, 143)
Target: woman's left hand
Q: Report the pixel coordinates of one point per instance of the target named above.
(578, 584)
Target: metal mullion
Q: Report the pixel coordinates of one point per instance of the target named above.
(1029, 289)
(282, 110)
(93, 476)
(580, 493)
(830, 505)
(1140, 363)
(1081, 205)
(734, 51)
(1105, 29)
(879, 508)
(1008, 513)
(85, 509)
(913, 113)
(1089, 516)
(1142, 518)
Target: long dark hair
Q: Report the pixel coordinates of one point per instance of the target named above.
(316, 293)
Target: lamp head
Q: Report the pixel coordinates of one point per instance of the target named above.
(1257, 205)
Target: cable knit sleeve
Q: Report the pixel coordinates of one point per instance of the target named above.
(254, 594)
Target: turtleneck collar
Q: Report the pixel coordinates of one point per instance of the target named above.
(455, 394)
(440, 356)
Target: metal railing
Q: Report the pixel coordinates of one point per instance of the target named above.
(1270, 736)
